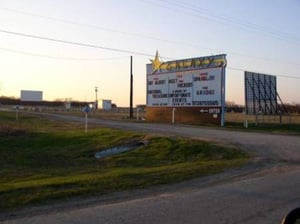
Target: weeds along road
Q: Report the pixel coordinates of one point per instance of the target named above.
(260, 193)
(269, 147)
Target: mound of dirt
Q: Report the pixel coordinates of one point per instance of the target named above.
(12, 131)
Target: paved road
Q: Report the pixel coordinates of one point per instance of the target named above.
(260, 194)
(259, 200)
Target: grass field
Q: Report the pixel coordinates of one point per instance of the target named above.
(44, 160)
(270, 119)
(270, 124)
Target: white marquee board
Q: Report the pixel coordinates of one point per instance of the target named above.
(198, 87)
(198, 82)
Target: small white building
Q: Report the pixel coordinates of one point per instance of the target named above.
(106, 104)
(31, 95)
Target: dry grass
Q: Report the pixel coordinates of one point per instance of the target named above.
(43, 160)
(268, 119)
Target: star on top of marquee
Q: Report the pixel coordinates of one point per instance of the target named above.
(156, 63)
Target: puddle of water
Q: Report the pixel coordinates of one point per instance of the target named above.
(117, 150)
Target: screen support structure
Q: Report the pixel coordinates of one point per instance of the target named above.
(261, 96)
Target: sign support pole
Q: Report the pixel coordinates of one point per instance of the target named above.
(173, 116)
(86, 110)
(131, 91)
(223, 103)
(86, 122)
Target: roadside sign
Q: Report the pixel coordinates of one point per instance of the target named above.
(86, 110)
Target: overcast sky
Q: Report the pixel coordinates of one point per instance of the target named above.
(259, 36)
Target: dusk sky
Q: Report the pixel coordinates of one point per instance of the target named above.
(258, 36)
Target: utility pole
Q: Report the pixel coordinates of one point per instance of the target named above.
(131, 91)
(96, 92)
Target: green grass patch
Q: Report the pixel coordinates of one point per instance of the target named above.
(42, 160)
(292, 129)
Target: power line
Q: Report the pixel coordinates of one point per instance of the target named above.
(59, 58)
(106, 48)
(234, 20)
(74, 23)
(75, 43)
(284, 76)
(185, 8)
(185, 5)
(92, 26)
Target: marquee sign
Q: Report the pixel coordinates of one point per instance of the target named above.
(194, 82)
(203, 62)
